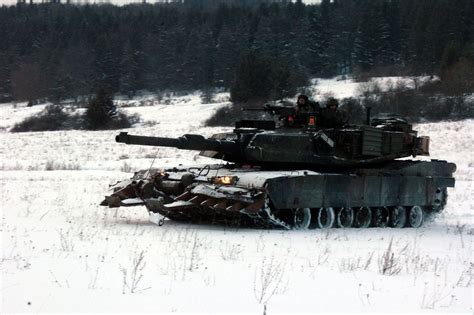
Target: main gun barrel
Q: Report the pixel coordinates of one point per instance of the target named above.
(186, 142)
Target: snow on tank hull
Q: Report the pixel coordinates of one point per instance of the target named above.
(399, 194)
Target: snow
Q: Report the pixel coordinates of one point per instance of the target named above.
(62, 252)
(344, 86)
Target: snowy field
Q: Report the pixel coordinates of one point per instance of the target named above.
(62, 252)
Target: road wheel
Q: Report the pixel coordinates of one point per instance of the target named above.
(302, 218)
(345, 217)
(363, 217)
(381, 217)
(415, 216)
(441, 197)
(325, 218)
(398, 217)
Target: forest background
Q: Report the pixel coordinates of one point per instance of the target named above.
(56, 51)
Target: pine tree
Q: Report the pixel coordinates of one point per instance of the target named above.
(253, 79)
(230, 45)
(130, 69)
(313, 54)
(26, 83)
(100, 111)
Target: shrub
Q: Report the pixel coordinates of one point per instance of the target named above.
(122, 120)
(418, 106)
(101, 113)
(51, 118)
(207, 95)
(228, 115)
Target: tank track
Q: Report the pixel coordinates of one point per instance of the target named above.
(306, 218)
(362, 217)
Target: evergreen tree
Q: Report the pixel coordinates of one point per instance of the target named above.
(229, 46)
(100, 110)
(259, 78)
(27, 83)
(313, 54)
(130, 69)
(253, 79)
(5, 87)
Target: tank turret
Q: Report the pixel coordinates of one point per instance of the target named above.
(260, 143)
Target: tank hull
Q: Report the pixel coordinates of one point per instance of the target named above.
(400, 193)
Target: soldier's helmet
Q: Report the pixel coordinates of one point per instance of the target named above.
(332, 102)
(305, 98)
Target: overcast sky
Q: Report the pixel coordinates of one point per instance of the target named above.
(10, 2)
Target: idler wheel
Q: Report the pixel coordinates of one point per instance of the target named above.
(415, 216)
(441, 196)
(363, 217)
(381, 217)
(345, 217)
(398, 217)
(324, 218)
(302, 218)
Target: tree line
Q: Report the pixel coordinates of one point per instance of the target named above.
(56, 51)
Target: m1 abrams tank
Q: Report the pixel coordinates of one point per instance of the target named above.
(298, 177)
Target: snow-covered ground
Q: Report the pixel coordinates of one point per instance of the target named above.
(343, 86)
(62, 252)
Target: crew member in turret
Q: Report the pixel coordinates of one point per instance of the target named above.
(304, 107)
(332, 116)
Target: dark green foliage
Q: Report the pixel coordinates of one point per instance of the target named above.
(286, 79)
(457, 70)
(207, 95)
(421, 105)
(122, 120)
(227, 116)
(57, 52)
(100, 111)
(259, 78)
(253, 79)
(51, 118)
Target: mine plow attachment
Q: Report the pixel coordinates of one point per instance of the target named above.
(213, 203)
